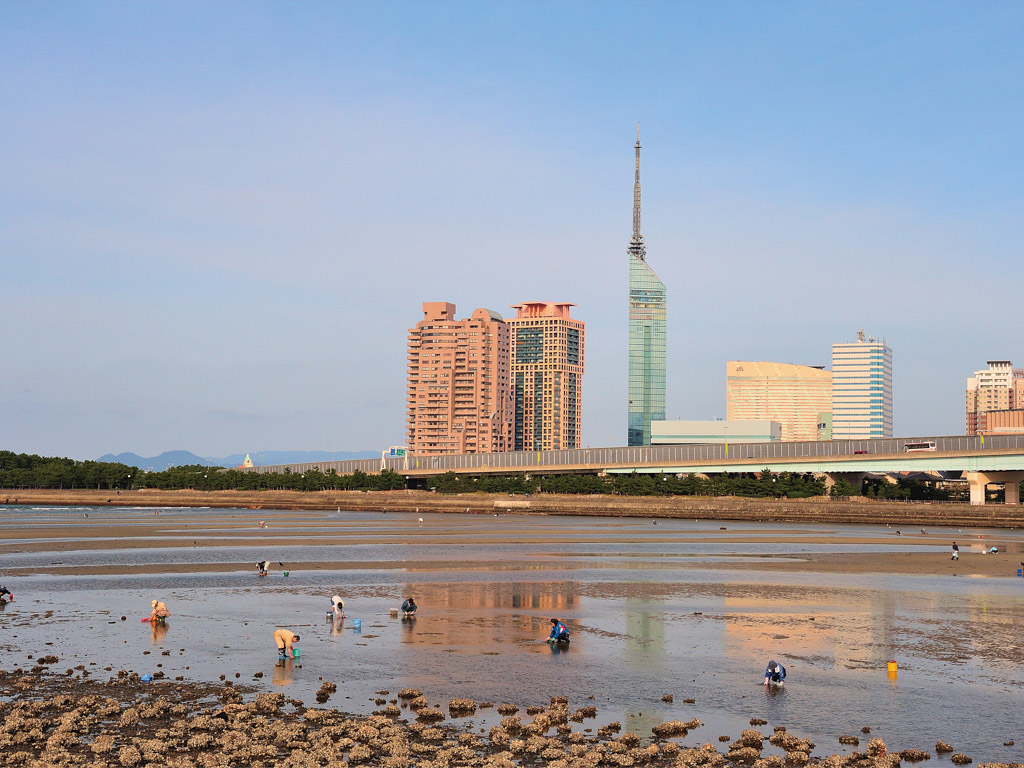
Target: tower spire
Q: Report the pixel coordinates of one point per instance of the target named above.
(636, 243)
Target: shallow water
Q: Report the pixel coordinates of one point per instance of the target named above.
(642, 626)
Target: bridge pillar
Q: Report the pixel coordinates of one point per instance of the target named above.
(978, 481)
(856, 479)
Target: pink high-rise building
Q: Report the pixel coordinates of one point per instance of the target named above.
(458, 396)
(547, 376)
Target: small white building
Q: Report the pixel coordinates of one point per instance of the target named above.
(715, 432)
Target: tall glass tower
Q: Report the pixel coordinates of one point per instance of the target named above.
(646, 332)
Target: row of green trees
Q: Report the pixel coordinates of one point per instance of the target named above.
(23, 470)
(31, 471)
(765, 484)
(215, 479)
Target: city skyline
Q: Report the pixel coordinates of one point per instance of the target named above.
(216, 218)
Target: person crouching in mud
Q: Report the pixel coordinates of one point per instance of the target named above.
(409, 608)
(775, 674)
(6, 593)
(559, 632)
(261, 567)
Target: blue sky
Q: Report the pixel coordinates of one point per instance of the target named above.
(218, 220)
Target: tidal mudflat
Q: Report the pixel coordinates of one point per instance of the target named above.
(677, 608)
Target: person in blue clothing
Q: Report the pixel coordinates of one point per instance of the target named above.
(559, 632)
(409, 608)
(775, 673)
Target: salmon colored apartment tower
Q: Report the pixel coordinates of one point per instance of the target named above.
(547, 376)
(458, 397)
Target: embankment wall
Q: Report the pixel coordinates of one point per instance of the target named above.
(816, 510)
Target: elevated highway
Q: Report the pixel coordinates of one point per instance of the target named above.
(981, 460)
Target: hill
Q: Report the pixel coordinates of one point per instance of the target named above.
(183, 458)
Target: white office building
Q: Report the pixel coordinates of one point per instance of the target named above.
(861, 389)
(715, 432)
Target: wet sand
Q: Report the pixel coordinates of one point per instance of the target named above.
(681, 607)
(188, 529)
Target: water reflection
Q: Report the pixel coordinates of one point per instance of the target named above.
(284, 672)
(157, 630)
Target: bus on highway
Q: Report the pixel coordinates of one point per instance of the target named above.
(925, 445)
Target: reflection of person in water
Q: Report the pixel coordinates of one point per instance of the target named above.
(284, 672)
(157, 629)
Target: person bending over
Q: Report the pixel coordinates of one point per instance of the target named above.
(775, 673)
(409, 608)
(160, 612)
(285, 639)
(261, 567)
(559, 632)
(337, 607)
(6, 593)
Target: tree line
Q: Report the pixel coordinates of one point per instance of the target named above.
(23, 470)
(31, 471)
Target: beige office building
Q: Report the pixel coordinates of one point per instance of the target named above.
(797, 396)
(1000, 387)
(458, 396)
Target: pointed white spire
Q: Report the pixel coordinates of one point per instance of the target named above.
(636, 243)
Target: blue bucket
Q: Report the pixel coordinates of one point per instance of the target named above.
(357, 625)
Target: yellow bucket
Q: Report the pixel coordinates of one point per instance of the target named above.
(892, 667)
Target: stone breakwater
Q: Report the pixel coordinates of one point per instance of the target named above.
(63, 720)
(815, 510)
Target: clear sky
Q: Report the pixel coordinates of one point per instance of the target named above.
(218, 220)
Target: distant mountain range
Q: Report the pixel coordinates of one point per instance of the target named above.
(183, 458)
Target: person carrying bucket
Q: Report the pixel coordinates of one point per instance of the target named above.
(285, 639)
(775, 674)
(559, 632)
(160, 612)
(337, 607)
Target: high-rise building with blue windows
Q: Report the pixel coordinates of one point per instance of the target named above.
(647, 298)
(861, 389)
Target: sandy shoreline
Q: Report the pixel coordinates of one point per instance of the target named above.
(858, 510)
(186, 531)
